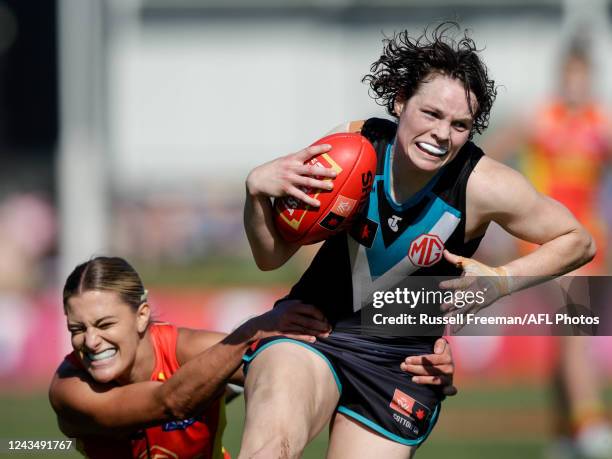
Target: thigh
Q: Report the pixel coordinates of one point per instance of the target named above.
(290, 392)
(352, 440)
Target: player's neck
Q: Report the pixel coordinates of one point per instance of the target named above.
(406, 179)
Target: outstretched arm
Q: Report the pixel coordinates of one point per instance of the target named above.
(85, 407)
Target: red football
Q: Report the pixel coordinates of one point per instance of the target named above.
(353, 158)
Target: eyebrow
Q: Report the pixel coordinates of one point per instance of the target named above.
(97, 322)
(436, 109)
(464, 120)
(101, 319)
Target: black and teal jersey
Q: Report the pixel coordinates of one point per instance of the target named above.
(390, 241)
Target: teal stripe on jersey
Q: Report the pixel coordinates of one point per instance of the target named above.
(381, 258)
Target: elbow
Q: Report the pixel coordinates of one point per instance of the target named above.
(591, 250)
(175, 408)
(267, 265)
(177, 405)
(67, 428)
(585, 246)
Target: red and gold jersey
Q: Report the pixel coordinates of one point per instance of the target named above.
(198, 437)
(566, 153)
(565, 159)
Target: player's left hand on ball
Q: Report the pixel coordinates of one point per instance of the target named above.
(478, 287)
(437, 369)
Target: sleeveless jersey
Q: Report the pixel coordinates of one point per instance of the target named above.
(390, 240)
(198, 437)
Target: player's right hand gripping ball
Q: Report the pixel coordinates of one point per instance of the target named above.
(353, 158)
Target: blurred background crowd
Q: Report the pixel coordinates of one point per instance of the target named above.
(127, 127)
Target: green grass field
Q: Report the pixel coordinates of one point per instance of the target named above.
(478, 423)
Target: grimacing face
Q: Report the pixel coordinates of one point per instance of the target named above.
(434, 123)
(105, 333)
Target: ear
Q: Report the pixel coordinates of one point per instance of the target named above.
(398, 105)
(143, 316)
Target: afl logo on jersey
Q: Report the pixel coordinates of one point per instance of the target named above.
(426, 250)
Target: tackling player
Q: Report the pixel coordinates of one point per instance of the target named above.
(432, 181)
(133, 387)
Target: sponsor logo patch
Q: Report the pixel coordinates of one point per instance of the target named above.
(426, 250)
(408, 406)
(178, 424)
(393, 221)
(364, 232)
(343, 205)
(332, 221)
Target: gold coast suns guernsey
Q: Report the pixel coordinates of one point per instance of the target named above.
(390, 240)
(565, 159)
(198, 437)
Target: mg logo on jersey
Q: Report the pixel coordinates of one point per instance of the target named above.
(393, 223)
(426, 250)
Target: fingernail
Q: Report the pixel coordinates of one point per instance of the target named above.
(330, 185)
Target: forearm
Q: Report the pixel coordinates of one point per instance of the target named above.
(202, 380)
(120, 411)
(554, 258)
(268, 248)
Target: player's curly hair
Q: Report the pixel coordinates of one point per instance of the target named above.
(406, 62)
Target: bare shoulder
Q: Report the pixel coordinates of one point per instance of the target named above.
(350, 126)
(494, 187)
(191, 342)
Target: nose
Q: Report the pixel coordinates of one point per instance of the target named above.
(441, 131)
(92, 338)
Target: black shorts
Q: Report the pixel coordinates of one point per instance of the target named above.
(374, 391)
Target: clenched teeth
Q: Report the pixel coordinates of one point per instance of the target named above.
(433, 149)
(106, 354)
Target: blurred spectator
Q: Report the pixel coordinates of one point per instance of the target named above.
(27, 235)
(564, 146)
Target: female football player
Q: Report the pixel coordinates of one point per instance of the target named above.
(134, 387)
(433, 184)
